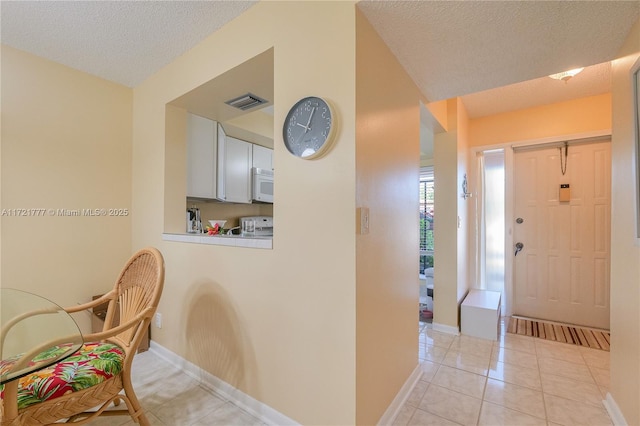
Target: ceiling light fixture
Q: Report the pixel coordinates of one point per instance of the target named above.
(566, 75)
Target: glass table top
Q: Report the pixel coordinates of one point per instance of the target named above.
(34, 333)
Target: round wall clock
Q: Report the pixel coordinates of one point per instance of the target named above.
(309, 128)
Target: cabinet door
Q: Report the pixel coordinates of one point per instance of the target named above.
(262, 157)
(201, 157)
(236, 170)
(220, 172)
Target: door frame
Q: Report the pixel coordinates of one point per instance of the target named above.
(509, 217)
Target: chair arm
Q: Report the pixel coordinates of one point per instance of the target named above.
(28, 356)
(107, 297)
(120, 328)
(13, 321)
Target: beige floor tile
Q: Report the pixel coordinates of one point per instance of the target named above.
(120, 420)
(517, 343)
(415, 396)
(188, 407)
(604, 391)
(509, 356)
(404, 415)
(472, 345)
(493, 415)
(153, 421)
(429, 370)
(559, 351)
(515, 392)
(516, 375)
(160, 391)
(567, 369)
(422, 352)
(228, 415)
(433, 354)
(596, 358)
(601, 376)
(567, 412)
(515, 397)
(451, 405)
(571, 389)
(424, 418)
(460, 381)
(468, 362)
(437, 338)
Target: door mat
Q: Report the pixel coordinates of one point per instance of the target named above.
(581, 336)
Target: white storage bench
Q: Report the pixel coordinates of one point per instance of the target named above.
(480, 314)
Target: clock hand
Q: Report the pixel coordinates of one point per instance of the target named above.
(310, 117)
(306, 128)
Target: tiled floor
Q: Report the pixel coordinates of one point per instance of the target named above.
(517, 380)
(171, 398)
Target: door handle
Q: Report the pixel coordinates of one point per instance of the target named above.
(519, 247)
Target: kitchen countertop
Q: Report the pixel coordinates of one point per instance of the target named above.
(221, 240)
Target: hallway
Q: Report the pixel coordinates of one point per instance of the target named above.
(516, 380)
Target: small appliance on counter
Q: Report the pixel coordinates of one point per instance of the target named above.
(258, 226)
(194, 223)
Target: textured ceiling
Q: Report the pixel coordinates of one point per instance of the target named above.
(450, 48)
(593, 80)
(454, 48)
(121, 41)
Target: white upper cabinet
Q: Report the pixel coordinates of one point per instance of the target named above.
(202, 148)
(262, 157)
(234, 171)
(218, 166)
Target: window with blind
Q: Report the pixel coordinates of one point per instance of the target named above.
(426, 218)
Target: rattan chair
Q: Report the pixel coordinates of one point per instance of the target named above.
(136, 294)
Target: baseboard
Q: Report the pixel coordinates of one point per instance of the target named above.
(251, 405)
(403, 394)
(614, 411)
(446, 329)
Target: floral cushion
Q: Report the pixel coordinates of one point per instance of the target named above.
(92, 364)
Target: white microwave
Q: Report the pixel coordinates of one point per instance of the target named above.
(262, 185)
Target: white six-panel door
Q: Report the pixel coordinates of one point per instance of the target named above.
(562, 271)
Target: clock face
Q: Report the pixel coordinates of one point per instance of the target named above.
(308, 129)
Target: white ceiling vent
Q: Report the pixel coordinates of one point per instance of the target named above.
(246, 102)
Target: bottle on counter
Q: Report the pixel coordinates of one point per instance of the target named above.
(194, 222)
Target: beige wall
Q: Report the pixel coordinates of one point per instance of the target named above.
(451, 280)
(279, 324)
(387, 169)
(463, 205)
(66, 144)
(625, 249)
(563, 118)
